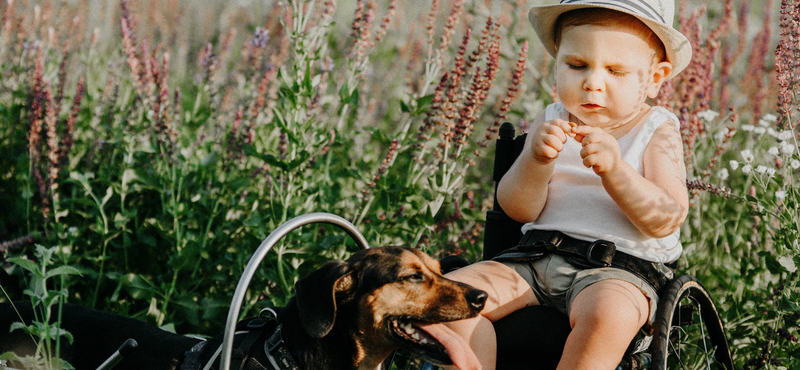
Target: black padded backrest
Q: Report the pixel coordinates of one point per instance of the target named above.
(502, 232)
(534, 336)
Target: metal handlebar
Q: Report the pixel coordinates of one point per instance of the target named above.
(258, 256)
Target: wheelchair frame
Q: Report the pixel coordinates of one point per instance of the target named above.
(685, 305)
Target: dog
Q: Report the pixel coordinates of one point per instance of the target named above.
(345, 315)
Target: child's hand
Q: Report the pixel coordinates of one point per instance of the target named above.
(600, 150)
(549, 140)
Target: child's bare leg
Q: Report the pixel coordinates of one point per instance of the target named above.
(605, 317)
(508, 292)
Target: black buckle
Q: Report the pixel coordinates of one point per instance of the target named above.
(535, 240)
(606, 253)
(546, 245)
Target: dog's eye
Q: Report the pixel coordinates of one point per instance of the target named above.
(414, 278)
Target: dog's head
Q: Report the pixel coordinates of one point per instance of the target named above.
(394, 293)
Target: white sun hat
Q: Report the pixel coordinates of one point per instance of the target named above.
(656, 14)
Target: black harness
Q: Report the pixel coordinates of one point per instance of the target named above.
(260, 334)
(599, 253)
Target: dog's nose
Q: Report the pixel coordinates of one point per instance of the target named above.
(476, 299)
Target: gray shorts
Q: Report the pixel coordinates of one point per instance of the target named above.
(556, 282)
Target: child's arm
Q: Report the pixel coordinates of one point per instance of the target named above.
(656, 203)
(522, 191)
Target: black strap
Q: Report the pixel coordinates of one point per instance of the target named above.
(585, 254)
(191, 358)
(255, 330)
(277, 353)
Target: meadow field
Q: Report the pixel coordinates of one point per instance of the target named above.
(147, 147)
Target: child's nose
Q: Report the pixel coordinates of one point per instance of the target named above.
(593, 82)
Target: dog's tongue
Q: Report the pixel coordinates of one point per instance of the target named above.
(460, 353)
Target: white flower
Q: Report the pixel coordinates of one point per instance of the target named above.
(764, 170)
(795, 164)
(785, 135)
(760, 130)
(708, 115)
(735, 164)
(774, 151)
(780, 195)
(723, 174)
(746, 169)
(771, 132)
(769, 117)
(763, 123)
(747, 155)
(787, 149)
(788, 263)
(748, 128)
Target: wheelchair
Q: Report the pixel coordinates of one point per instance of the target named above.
(688, 333)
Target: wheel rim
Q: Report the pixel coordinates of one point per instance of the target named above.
(691, 336)
(690, 346)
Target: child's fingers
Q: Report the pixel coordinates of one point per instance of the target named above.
(558, 130)
(555, 142)
(581, 132)
(564, 126)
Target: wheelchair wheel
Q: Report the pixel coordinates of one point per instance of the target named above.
(688, 330)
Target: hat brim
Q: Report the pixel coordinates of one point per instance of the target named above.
(678, 48)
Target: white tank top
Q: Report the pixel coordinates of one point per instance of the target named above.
(578, 205)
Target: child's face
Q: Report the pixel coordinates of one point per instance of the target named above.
(604, 74)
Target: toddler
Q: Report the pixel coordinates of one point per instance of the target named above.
(601, 174)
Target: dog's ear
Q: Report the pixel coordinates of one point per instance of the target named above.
(316, 296)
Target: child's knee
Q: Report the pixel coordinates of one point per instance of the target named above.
(610, 304)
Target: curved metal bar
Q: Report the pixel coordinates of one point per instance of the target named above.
(258, 256)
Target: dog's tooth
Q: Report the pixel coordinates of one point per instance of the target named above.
(415, 336)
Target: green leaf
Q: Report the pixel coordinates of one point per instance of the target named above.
(128, 177)
(20, 326)
(109, 193)
(790, 305)
(424, 101)
(26, 264)
(63, 270)
(308, 88)
(137, 286)
(348, 98)
(404, 107)
(210, 159)
(354, 98)
(773, 265)
(274, 161)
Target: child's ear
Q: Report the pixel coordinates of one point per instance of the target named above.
(661, 72)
